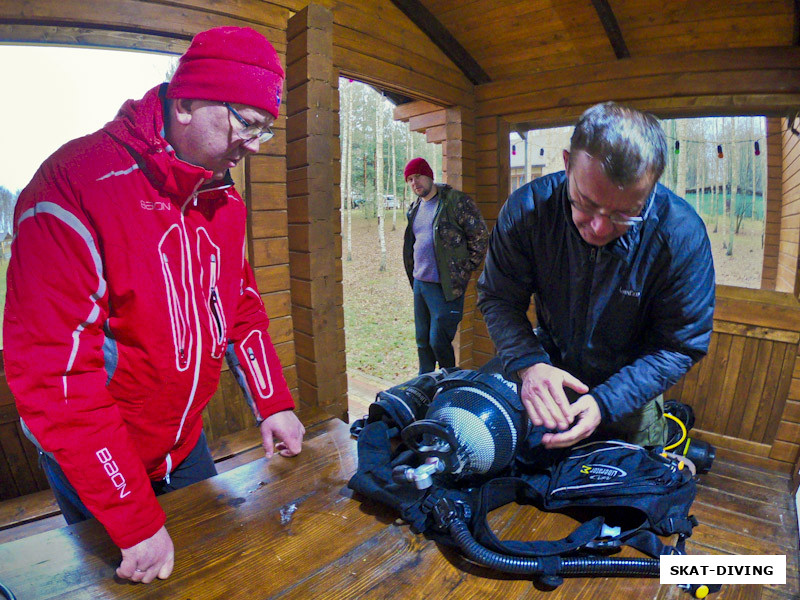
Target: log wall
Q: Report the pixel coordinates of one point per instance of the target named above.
(789, 246)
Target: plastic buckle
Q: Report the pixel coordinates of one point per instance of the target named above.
(603, 544)
(430, 500)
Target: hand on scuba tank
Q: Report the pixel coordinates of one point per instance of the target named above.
(543, 395)
(586, 415)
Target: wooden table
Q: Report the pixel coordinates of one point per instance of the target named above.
(290, 528)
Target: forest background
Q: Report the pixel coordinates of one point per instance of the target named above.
(718, 164)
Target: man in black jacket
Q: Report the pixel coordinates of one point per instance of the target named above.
(623, 278)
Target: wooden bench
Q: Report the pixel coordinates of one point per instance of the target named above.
(37, 512)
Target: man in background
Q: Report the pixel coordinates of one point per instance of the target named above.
(623, 278)
(445, 241)
(127, 287)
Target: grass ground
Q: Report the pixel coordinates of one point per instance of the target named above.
(378, 305)
(743, 266)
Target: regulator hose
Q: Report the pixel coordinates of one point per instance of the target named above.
(579, 566)
(7, 593)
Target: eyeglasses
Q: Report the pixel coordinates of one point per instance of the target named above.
(616, 218)
(250, 131)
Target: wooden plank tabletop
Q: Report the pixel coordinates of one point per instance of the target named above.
(290, 528)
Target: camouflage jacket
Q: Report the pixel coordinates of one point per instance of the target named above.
(460, 239)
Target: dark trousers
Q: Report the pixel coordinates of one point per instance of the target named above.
(436, 322)
(197, 466)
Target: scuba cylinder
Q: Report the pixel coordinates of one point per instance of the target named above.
(405, 403)
(472, 427)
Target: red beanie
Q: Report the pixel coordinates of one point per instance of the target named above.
(418, 166)
(230, 64)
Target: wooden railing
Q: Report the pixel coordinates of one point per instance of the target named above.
(746, 391)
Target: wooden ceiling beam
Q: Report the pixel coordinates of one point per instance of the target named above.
(441, 36)
(609, 21)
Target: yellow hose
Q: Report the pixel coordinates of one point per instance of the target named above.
(683, 432)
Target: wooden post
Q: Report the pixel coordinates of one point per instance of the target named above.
(314, 241)
(458, 154)
(492, 189)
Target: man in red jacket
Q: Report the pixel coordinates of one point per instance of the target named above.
(127, 286)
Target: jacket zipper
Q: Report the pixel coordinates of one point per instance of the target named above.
(199, 348)
(256, 369)
(436, 250)
(587, 296)
(180, 321)
(214, 305)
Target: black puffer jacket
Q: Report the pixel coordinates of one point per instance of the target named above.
(628, 319)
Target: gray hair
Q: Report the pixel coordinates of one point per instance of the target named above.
(630, 144)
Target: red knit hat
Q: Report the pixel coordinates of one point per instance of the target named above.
(230, 64)
(418, 166)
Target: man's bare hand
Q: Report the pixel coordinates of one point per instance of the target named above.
(586, 415)
(544, 398)
(287, 428)
(151, 558)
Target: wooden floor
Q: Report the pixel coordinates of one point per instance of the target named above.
(748, 511)
(742, 510)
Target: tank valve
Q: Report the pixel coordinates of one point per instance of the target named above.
(421, 476)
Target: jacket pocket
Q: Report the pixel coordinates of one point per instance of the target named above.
(256, 363)
(211, 259)
(174, 269)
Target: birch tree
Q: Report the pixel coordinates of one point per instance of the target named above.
(680, 136)
(394, 180)
(754, 124)
(343, 163)
(379, 191)
(727, 185)
(409, 156)
(701, 177)
(348, 176)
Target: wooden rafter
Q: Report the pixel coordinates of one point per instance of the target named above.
(441, 36)
(609, 21)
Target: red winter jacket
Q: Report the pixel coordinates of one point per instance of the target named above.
(127, 285)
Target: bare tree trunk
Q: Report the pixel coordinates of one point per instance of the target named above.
(364, 204)
(729, 204)
(754, 123)
(717, 167)
(680, 187)
(701, 178)
(394, 182)
(379, 191)
(349, 173)
(409, 156)
(527, 157)
(343, 118)
(343, 161)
